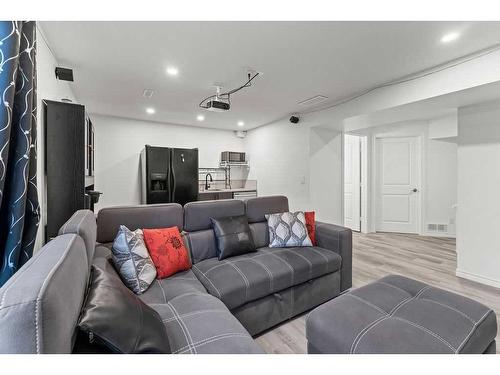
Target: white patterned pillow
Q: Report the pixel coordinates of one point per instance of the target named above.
(288, 229)
(132, 260)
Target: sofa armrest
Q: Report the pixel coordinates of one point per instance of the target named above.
(339, 240)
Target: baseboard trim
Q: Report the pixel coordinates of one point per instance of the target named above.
(435, 234)
(477, 278)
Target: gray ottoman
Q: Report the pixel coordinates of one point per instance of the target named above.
(401, 315)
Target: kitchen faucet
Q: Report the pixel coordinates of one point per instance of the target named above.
(207, 185)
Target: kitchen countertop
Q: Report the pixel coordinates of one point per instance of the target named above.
(238, 190)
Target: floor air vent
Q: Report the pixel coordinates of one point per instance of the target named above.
(438, 228)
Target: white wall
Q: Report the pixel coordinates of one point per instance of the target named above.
(48, 87)
(300, 162)
(443, 127)
(326, 174)
(478, 219)
(119, 142)
(279, 161)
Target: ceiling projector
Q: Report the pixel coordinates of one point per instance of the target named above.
(221, 101)
(217, 105)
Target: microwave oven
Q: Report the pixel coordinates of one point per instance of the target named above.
(232, 157)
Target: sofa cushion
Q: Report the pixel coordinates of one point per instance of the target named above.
(117, 318)
(132, 260)
(197, 215)
(83, 223)
(258, 208)
(137, 217)
(233, 236)
(166, 289)
(201, 244)
(247, 277)
(40, 304)
(200, 323)
(401, 315)
(260, 234)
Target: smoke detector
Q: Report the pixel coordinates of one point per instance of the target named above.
(148, 93)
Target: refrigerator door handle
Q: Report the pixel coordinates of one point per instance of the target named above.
(169, 185)
(173, 176)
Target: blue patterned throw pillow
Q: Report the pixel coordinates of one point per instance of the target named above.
(132, 260)
(288, 229)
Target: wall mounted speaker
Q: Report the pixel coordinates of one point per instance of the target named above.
(64, 74)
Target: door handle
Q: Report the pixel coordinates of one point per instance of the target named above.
(414, 190)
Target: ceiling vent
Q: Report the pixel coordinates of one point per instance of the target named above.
(314, 100)
(148, 93)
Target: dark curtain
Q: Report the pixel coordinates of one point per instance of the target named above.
(19, 209)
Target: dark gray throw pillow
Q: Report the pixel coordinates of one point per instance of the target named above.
(116, 318)
(233, 236)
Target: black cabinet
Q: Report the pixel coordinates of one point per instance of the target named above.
(66, 162)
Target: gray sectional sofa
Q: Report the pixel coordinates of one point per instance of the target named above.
(216, 307)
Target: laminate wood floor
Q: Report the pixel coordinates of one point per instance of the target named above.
(428, 259)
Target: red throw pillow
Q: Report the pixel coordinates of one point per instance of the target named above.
(311, 226)
(167, 251)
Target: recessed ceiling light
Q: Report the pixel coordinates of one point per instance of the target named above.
(450, 37)
(241, 123)
(150, 110)
(200, 117)
(173, 71)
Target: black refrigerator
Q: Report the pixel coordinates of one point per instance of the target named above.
(169, 175)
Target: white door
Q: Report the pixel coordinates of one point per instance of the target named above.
(398, 184)
(352, 182)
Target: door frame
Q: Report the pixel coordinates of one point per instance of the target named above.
(374, 180)
(364, 181)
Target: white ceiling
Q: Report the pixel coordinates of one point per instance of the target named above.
(114, 62)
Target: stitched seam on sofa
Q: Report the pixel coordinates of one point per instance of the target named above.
(427, 330)
(184, 329)
(264, 253)
(189, 294)
(43, 288)
(162, 291)
(251, 259)
(269, 273)
(63, 229)
(15, 305)
(190, 247)
(365, 330)
(210, 281)
(393, 286)
(245, 280)
(270, 252)
(451, 308)
(15, 278)
(80, 222)
(461, 346)
(182, 278)
(194, 313)
(141, 311)
(367, 303)
(320, 253)
(303, 257)
(218, 339)
(210, 339)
